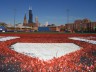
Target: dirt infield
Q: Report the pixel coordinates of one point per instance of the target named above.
(83, 60)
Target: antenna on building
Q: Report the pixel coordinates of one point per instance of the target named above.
(30, 7)
(67, 15)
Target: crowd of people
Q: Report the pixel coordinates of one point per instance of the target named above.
(83, 60)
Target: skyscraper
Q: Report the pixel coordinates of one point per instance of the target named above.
(25, 21)
(36, 21)
(30, 16)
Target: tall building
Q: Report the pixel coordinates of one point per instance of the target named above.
(36, 21)
(25, 21)
(30, 16)
(30, 24)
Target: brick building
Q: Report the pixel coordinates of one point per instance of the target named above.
(84, 25)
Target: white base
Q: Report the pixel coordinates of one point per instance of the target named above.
(82, 39)
(45, 51)
(7, 38)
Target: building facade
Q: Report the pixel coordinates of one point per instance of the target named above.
(84, 25)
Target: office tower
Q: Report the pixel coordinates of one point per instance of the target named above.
(36, 21)
(30, 16)
(25, 21)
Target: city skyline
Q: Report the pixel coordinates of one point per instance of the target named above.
(53, 11)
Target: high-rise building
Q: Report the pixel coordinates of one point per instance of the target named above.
(25, 21)
(36, 21)
(30, 16)
(30, 24)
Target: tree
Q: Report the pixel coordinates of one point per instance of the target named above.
(3, 24)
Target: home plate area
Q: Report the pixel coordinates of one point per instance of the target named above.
(45, 51)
